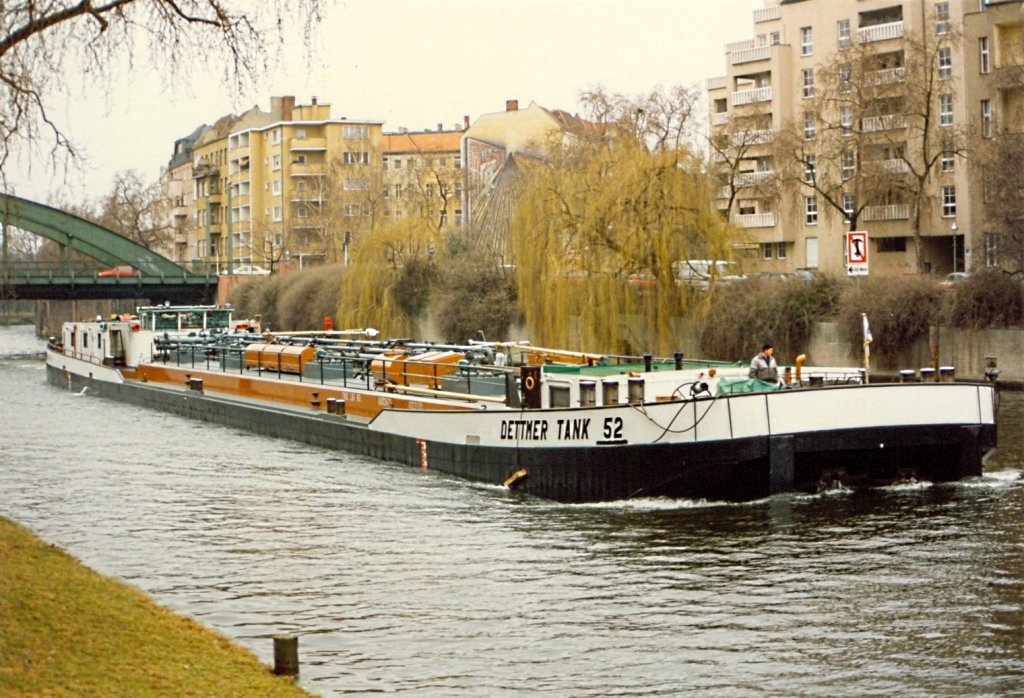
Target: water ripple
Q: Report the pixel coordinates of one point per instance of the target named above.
(404, 582)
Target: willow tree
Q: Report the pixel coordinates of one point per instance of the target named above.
(387, 281)
(600, 230)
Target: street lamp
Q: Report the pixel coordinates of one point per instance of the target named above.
(954, 228)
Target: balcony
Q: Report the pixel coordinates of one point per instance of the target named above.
(894, 166)
(204, 169)
(720, 119)
(767, 14)
(718, 83)
(722, 192)
(755, 220)
(308, 144)
(885, 77)
(890, 212)
(739, 45)
(748, 138)
(750, 55)
(880, 32)
(307, 197)
(307, 170)
(753, 179)
(760, 94)
(883, 123)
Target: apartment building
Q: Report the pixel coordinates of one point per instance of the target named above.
(423, 175)
(491, 149)
(179, 193)
(844, 115)
(273, 189)
(297, 184)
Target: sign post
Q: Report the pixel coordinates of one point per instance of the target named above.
(857, 253)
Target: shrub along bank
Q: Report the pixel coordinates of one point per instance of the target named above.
(739, 317)
(67, 631)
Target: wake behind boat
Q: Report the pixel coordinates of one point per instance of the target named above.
(567, 426)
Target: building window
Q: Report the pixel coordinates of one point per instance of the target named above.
(397, 162)
(846, 120)
(847, 163)
(948, 201)
(811, 210)
(276, 187)
(848, 208)
(766, 250)
(844, 33)
(810, 162)
(942, 18)
(986, 118)
(299, 160)
(945, 62)
(430, 191)
(275, 162)
(443, 218)
(810, 125)
(275, 136)
(352, 210)
(947, 161)
(301, 212)
(985, 58)
(891, 244)
(277, 213)
(844, 78)
(398, 191)
(458, 161)
(991, 249)
(945, 110)
(355, 184)
(808, 82)
(300, 133)
(806, 41)
(356, 157)
(356, 131)
(780, 250)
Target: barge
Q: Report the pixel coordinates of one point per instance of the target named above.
(564, 426)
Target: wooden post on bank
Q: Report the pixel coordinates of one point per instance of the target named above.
(286, 655)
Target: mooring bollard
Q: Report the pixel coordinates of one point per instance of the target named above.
(286, 655)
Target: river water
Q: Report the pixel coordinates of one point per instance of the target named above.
(403, 582)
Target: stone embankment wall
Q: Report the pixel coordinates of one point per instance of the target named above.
(971, 352)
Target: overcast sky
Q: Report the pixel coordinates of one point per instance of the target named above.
(414, 63)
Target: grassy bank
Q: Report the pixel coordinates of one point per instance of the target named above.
(67, 631)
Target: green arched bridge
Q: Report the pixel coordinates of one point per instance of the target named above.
(121, 268)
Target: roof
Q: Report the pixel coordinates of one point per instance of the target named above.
(422, 142)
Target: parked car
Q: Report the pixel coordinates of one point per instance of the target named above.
(246, 269)
(119, 270)
(697, 273)
(950, 280)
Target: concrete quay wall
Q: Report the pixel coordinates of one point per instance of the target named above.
(971, 352)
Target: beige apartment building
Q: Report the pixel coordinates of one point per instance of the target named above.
(842, 115)
(423, 176)
(273, 190)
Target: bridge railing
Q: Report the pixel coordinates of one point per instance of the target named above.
(11, 270)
